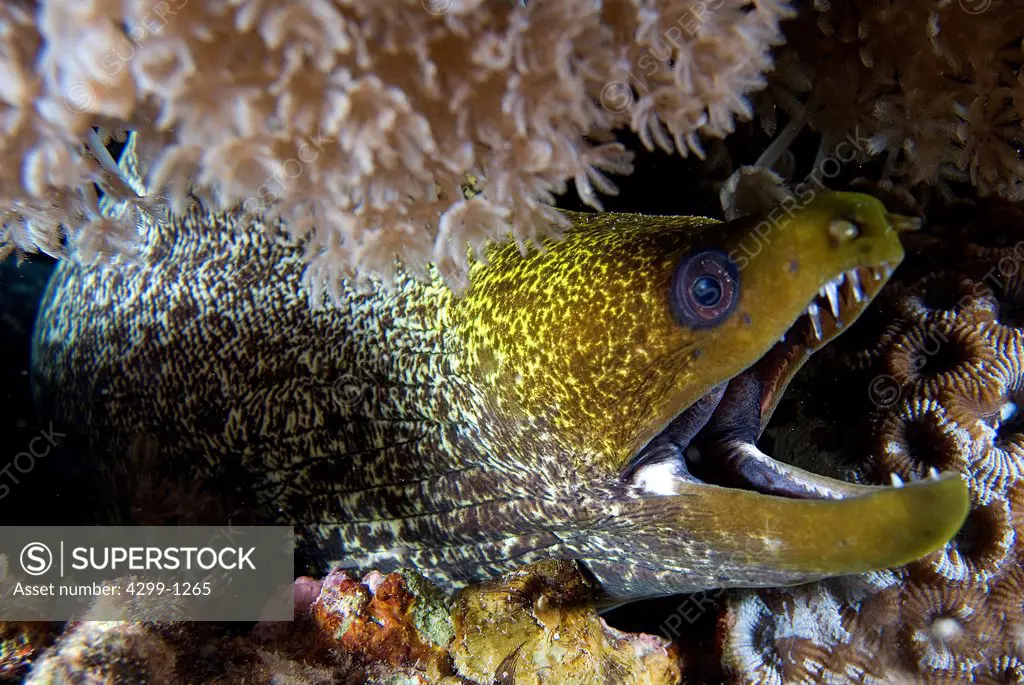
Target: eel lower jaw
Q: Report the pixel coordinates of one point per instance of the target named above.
(751, 539)
(783, 525)
(755, 470)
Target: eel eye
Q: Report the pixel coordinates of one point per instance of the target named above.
(705, 289)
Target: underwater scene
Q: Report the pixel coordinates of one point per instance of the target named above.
(641, 342)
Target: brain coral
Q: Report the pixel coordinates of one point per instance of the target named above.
(932, 380)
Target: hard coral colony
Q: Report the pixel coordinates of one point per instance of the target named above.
(594, 392)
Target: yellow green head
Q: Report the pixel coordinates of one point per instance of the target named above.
(603, 333)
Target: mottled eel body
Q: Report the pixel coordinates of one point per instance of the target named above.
(553, 410)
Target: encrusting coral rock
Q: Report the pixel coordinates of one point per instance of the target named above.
(355, 122)
(20, 643)
(550, 633)
(396, 620)
(937, 368)
(537, 625)
(107, 651)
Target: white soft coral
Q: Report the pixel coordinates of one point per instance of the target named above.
(357, 122)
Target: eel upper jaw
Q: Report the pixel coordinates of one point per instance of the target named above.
(839, 302)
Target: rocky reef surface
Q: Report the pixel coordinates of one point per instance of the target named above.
(531, 627)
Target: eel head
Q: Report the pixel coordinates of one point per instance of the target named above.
(656, 353)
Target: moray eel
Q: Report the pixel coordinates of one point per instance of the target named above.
(598, 399)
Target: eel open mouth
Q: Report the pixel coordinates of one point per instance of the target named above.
(705, 508)
(714, 440)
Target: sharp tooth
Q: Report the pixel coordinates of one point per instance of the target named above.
(858, 293)
(897, 482)
(933, 472)
(783, 338)
(832, 292)
(877, 273)
(812, 311)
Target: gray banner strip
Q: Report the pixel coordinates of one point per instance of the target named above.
(150, 573)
